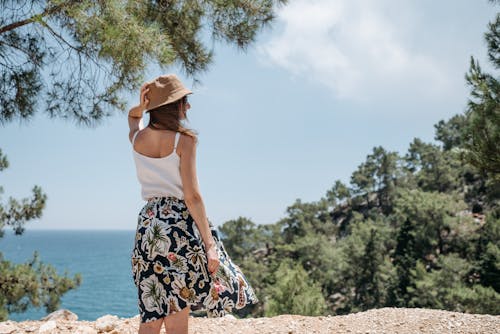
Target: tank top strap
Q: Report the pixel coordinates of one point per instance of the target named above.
(135, 135)
(177, 135)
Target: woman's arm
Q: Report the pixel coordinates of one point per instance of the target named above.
(134, 121)
(191, 190)
(135, 113)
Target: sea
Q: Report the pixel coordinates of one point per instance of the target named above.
(101, 257)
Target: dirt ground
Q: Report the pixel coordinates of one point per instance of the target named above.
(376, 321)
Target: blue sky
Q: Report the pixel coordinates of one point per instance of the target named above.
(302, 108)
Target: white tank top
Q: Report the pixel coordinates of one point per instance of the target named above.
(159, 177)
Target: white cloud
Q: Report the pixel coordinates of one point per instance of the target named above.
(361, 49)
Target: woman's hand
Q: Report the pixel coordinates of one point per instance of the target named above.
(213, 260)
(138, 110)
(144, 101)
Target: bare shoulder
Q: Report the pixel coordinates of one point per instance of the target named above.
(133, 132)
(187, 143)
(135, 124)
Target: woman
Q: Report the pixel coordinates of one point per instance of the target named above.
(178, 260)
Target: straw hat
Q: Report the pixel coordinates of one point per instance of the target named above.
(165, 89)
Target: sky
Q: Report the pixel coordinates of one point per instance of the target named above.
(302, 108)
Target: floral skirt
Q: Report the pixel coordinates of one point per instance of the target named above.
(169, 265)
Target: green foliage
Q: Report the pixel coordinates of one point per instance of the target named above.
(79, 56)
(492, 37)
(304, 217)
(16, 213)
(398, 253)
(432, 169)
(363, 266)
(488, 252)
(377, 174)
(451, 132)
(434, 243)
(239, 239)
(294, 292)
(482, 133)
(421, 230)
(432, 216)
(338, 193)
(428, 250)
(446, 288)
(32, 283)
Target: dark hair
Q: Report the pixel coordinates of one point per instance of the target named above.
(166, 117)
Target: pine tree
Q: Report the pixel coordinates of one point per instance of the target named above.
(31, 283)
(294, 292)
(482, 134)
(73, 59)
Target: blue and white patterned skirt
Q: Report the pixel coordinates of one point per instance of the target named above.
(169, 265)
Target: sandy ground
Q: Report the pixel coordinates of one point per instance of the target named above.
(376, 321)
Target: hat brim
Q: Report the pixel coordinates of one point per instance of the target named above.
(172, 98)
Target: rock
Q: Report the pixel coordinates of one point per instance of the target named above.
(85, 330)
(61, 314)
(7, 328)
(31, 329)
(230, 317)
(106, 323)
(48, 327)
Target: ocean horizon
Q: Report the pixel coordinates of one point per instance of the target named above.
(102, 257)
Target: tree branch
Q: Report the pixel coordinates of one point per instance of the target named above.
(32, 19)
(58, 36)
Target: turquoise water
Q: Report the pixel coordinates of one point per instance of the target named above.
(102, 258)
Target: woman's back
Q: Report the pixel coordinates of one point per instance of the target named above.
(157, 162)
(155, 143)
